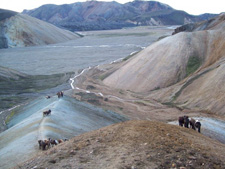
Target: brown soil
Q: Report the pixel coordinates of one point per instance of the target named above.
(134, 144)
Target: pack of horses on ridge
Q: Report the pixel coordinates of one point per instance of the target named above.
(194, 124)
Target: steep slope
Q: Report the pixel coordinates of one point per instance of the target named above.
(160, 65)
(68, 118)
(134, 144)
(94, 15)
(192, 62)
(22, 30)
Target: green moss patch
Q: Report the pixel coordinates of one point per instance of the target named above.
(192, 65)
(9, 117)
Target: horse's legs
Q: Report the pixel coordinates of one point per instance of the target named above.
(43, 146)
(180, 124)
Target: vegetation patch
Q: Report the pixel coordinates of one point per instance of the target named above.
(9, 117)
(192, 65)
(104, 75)
(142, 103)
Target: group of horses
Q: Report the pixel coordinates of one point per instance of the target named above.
(46, 144)
(59, 94)
(184, 121)
(48, 112)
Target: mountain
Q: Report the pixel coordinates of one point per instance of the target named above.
(186, 70)
(18, 30)
(94, 15)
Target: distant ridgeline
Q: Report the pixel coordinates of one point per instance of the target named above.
(96, 15)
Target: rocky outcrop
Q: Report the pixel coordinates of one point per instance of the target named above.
(96, 15)
(19, 30)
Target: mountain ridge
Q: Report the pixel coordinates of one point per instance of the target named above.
(97, 15)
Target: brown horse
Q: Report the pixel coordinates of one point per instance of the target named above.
(43, 144)
(183, 121)
(192, 123)
(56, 142)
(46, 113)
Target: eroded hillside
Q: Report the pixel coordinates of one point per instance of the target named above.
(22, 30)
(186, 70)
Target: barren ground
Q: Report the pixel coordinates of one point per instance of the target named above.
(134, 144)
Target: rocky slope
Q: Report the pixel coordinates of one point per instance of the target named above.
(94, 15)
(134, 144)
(188, 68)
(19, 30)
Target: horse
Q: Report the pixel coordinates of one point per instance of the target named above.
(186, 121)
(183, 121)
(46, 113)
(192, 123)
(53, 142)
(198, 126)
(43, 144)
(56, 142)
(48, 97)
(60, 94)
(60, 140)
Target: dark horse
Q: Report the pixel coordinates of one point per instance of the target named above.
(46, 113)
(60, 94)
(48, 97)
(195, 124)
(183, 121)
(198, 126)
